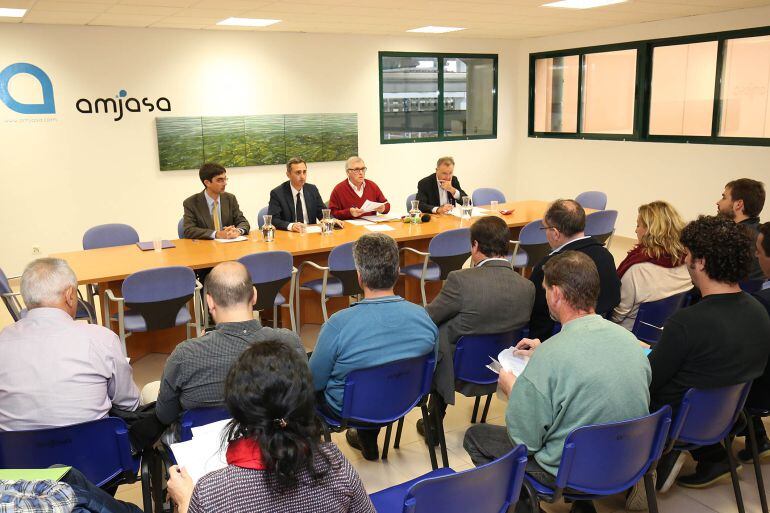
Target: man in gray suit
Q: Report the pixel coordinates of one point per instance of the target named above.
(213, 213)
(488, 298)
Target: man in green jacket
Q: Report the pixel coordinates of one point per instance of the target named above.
(591, 372)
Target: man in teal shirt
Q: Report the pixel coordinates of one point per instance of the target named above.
(591, 372)
(380, 329)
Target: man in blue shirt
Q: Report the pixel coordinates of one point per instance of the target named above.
(382, 328)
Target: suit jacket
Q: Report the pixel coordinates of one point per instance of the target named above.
(427, 192)
(759, 397)
(283, 204)
(492, 298)
(198, 223)
(541, 324)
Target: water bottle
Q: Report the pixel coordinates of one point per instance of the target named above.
(268, 230)
(414, 212)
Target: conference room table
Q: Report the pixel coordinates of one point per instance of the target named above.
(108, 267)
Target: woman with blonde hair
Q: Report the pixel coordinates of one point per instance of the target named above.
(654, 269)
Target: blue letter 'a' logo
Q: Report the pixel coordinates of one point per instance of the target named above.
(47, 107)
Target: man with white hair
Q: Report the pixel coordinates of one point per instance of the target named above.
(351, 194)
(56, 371)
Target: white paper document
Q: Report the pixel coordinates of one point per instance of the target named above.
(371, 206)
(379, 227)
(512, 363)
(312, 228)
(477, 212)
(381, 218)
(237, 239)
(205, 452)
(358, 222)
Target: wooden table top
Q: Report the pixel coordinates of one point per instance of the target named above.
(113, 264)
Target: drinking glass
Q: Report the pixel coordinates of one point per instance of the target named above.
(327, 223)
(467, 208)
(493, 205)
(268, 230)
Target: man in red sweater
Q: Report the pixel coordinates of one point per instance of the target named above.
(349, 195)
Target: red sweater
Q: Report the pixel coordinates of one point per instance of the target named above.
(344, 197)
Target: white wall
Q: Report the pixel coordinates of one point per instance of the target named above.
(59, 178)
(691, 177)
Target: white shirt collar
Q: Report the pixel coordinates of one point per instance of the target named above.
(295, 191)
(209, 199)
(357, 189)
(491, 259)
(567, 243)
(766, 285)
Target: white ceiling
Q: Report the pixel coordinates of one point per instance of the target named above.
(510, 19)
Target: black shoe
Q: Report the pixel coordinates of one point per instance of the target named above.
(705, 475)
(370, 453)
(668, 469)
(421, 431)
(763, 449)
(582, 507)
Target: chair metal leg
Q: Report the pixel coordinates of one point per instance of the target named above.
(475, 409)
(486, 409)
(422, 290)
(649, 490)
(429, 436)
(327, 433)
(275, 316)
(297, 309)
(534, 501)
(757, 466)
(145, 478)
(323, 308)
(399, 427)
(388, 431)
(440, 430)
(734, 474)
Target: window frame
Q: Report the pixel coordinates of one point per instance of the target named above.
(643, 92)
(441, 57)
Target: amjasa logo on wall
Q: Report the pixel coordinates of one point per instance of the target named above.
(116, 107)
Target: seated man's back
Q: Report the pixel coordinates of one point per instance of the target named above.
(56, 371)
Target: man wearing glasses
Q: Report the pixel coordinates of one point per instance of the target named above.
(350, 195)
(564, 223)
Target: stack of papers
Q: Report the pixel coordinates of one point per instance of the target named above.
(205, 452)
(237, 239)
(512, 363)
(381, 218)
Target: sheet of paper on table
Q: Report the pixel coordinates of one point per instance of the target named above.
(358, 222)
(381, 218)
(312, 228)
(237, 239)
(379, 227)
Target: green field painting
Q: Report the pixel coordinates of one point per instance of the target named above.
(238, 141)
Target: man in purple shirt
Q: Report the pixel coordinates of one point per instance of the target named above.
(56, 371)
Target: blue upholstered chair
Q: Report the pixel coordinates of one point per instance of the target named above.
(271, 270)
(155, 299)
(487, 195)
(490, 488)
(596, 200)
(606, 459)
(532, 245)
(200, 417)
(447, 252)
(409, 201)
(180, 229)
(601, 225)
(261, 216)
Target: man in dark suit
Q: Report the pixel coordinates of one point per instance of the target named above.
(490, 297)
(439, 191)
(564, 224)
(213, 213)
(295, 203)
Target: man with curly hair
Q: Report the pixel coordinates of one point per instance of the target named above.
(722, 340)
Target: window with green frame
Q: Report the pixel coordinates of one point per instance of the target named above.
(437, 97)
(706, 88)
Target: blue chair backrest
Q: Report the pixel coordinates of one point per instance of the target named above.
(609, 458)
(652, 315)
(159, 284)
(201, 417)
(5, 288)
(387, 392)
(533, 243)
(487, 195)
(100, 449)
(751, 286)
(601, 223)
(450, 243)
(109, 235)
(341, 258)
(472, 355)
(409, 201)
(592, 199)
(706, 416)
(261, 217)
(490, 488)
(269, 272)
(180, 228)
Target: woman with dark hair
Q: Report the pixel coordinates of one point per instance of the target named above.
(275, 459)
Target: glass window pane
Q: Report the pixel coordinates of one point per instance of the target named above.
(410, 97)
(745, 82)
(682, 95)
(469, 96)
(609, 84)
(556, 94)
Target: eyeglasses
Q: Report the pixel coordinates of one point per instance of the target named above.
(357, 170)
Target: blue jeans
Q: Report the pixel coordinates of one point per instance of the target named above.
(92, 499)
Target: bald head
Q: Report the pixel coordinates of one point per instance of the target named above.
(567, 216)
(229, 285)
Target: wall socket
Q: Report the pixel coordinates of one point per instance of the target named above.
(35, 250)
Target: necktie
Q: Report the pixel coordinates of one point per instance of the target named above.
(215, 216)
(298, 209)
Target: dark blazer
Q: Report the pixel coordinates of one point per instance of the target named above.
(283, 204)
(759, 397)
(492, 298)
(198, 223)
(427, 192)
(541, 324)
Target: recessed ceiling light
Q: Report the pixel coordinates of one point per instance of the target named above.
(583, 4)
(430, 29)
(248, 22)
(12, 13)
